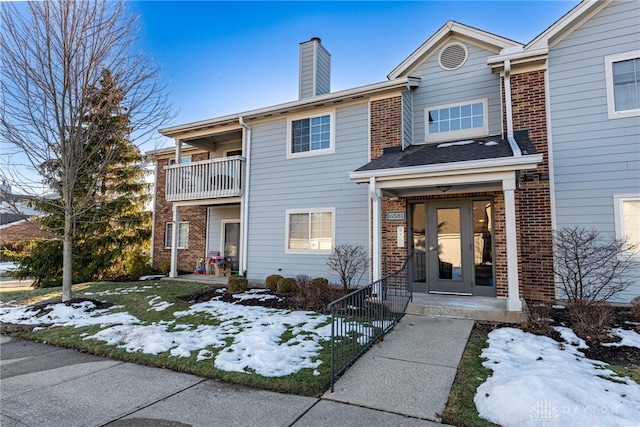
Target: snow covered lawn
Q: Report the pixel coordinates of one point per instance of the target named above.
(537, 381)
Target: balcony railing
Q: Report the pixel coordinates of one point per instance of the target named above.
(206, 179)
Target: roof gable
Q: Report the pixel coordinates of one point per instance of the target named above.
(449, 30)
(567, 24)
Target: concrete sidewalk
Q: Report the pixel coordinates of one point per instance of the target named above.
(43, 385)
(411, 371)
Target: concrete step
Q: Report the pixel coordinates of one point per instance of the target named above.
(463, 307)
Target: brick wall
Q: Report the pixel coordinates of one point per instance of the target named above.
(533, 197)
(195, 215)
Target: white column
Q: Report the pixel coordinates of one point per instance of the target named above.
(513, 292)
(376, 250)
(178, 151)
(173, 271)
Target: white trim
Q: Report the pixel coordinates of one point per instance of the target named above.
(550, 152)
(224, 222)
(357, 94)
(487, 166)
(462, 133)
(288, 212)
(618, 200)
(450, 28)
(332, 136)
(608, 72)
(453, 43)
(166, 224)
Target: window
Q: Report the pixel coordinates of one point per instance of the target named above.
(627, 218)
(310, 135)
(310, 230)
(447, 122)
(623, 84)
(184, 159)
(183, 235)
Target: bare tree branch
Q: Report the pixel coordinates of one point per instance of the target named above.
(53, 54)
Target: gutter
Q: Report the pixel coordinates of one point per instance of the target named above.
(244, 214)
(507, 99)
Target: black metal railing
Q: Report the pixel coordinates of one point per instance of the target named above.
(360, 318)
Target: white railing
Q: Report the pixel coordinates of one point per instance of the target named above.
(206, 179)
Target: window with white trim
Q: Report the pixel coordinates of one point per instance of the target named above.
(184, 159)
(622, 72)
(310, 135)
(451, 121)
(627, 219)
(310, 231)
(183, 235)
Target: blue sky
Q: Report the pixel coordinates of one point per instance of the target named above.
(227, 57)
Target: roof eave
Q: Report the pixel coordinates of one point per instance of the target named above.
(404, 83)
(512, 163)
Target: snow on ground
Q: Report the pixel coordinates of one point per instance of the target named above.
(537, 381)
(6, 266)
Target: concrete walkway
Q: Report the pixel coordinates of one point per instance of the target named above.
(43, 385)
(411, 371)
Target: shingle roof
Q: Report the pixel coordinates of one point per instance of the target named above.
(490, 147)
(8, 218)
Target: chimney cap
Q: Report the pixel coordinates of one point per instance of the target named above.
(316, 39)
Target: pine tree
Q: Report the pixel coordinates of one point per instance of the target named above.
(113, 227)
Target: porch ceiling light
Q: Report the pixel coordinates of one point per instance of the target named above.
(443, 188)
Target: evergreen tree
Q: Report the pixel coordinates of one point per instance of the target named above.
(113, 227)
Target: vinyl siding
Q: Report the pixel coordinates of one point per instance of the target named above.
(473, 80)
(216, 215)
(594, 157)
(407, 119)
(322, 181)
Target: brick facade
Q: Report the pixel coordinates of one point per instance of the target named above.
(533, 201)
(533, 197)
(195, 215)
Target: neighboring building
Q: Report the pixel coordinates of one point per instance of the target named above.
(17, 219)
(450, 161)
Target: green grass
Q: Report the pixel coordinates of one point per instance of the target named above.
(460, 409)
(304, 382)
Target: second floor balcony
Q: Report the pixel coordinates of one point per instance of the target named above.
(206, 179)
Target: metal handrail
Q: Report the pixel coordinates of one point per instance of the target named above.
(361, 317)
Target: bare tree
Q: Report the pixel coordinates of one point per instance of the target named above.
(347, 259)
(590, 268)
(53, 54)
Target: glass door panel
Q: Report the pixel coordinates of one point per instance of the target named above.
(449, 244)
(419, 251)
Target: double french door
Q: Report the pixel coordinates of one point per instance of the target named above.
(452, 246)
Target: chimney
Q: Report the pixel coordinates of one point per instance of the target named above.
(315, 69)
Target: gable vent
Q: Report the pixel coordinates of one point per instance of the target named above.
(452, 56)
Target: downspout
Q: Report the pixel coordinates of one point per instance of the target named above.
(244, 212)
(507, 100)
(153, 211)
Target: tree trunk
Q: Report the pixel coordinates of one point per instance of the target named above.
(67, 253)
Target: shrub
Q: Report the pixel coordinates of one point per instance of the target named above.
(591, 320)
(538, 318)
(589, 267)
(286, 285)
(348, 259)
(271, 282)
(237, 284)
(165, 266)
(136, 263)
(316, 294)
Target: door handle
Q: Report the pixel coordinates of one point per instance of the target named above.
(431, 248)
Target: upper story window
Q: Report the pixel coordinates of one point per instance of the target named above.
(451, 121)
(183, 159)
(623, 84)
(310, 230)
(627, 219)
(310, 135)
